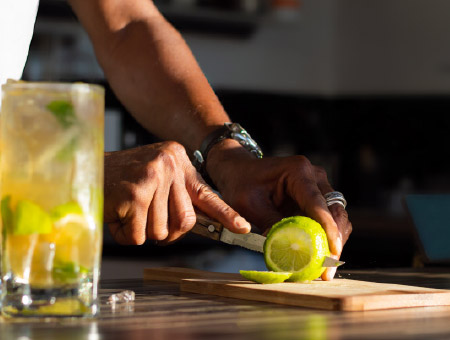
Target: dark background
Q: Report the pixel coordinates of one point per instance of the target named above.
(359, 90)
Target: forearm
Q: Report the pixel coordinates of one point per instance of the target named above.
(151, 69)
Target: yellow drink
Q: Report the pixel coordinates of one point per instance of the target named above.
(51, 197)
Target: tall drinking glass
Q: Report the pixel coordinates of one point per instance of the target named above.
(51, 198)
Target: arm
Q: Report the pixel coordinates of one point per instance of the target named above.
(151, 69)
(151, 191)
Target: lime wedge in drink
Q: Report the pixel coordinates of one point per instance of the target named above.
(28, 218)
(265, 276)
(299, 245)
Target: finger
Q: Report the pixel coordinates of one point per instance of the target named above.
(157, 218)
(340, 215)
(131, 230)
(307, 194)
(338, 212)
(182, 216)
(329, 273)
(207, 201)
(118, 233)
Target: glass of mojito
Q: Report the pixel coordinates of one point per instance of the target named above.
(51, 198)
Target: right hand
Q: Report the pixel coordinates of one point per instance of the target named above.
(151, 191)
(268, 189)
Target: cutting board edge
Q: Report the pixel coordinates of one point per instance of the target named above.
(395, 301)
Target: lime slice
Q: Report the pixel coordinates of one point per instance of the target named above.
(30, 218)
(299, 245)
(70, 210)
(265, 277)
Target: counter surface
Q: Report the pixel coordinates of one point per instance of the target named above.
(161, 311)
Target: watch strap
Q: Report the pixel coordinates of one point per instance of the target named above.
(228, 130)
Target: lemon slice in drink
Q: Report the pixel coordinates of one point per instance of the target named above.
(67, 211)
(74, 242)
(299, 245)
(265, 276)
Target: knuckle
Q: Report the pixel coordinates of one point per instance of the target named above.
(187, 220)
(149, 172)
(165, 158)
(301, 161)
(320, 172)
(176, 147)
(310, 183)
(136, 197)
(300, 165)
(226, 210)
(203, 193)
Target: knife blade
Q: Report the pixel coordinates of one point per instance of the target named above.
(215, 231)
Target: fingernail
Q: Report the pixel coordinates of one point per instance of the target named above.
(241, 224)
(331, 272)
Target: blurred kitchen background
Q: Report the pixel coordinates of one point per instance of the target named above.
(361, 87)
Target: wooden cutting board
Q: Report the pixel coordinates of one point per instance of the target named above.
(339, 294)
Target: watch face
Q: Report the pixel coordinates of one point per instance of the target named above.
(238, 133)
(235, 127)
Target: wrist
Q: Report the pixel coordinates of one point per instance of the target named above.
(226, 142)
(223, 158)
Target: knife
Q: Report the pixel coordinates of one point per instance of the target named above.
(214, 230)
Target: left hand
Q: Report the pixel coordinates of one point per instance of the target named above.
(266, 190)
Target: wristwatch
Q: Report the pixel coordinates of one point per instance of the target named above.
(227, 131)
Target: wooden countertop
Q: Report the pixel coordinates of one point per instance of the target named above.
(162, 312)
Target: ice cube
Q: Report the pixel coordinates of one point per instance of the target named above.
(124, 296)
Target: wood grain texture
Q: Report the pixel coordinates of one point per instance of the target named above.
(176, 274)
(339, 294)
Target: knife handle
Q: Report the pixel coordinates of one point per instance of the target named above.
(207, 227)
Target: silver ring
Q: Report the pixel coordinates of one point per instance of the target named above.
(334, 197)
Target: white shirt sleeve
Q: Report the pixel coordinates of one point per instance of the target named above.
(17, 19)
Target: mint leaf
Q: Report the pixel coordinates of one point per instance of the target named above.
(67, 271)
(63, 112)
(7, 214)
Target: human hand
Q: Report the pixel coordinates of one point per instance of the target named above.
(268, 189)
(151, 191)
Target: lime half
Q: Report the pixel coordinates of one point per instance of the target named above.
(299, 245)
(265, 277)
